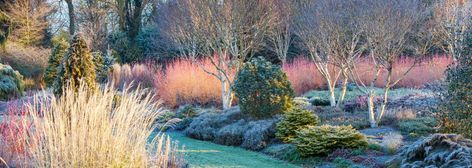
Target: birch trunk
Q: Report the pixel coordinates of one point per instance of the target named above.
(332, 96)
(226, 95)
(343, 89)
(371, 107)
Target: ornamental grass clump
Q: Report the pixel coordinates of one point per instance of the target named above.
(294, 120)
(322, 140)
(263, 89)
(92, 129)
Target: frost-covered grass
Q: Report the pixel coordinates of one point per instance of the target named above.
(206, 154)
(351, 95)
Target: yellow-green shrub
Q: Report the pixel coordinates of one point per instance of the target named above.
(321, 140)
(294, 120)
(77, 67)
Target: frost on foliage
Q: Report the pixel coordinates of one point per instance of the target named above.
(103, 65)
(322, 140)
(54, 61)
(11, 83)
(438, 150)
(77, 67)
(263, 89)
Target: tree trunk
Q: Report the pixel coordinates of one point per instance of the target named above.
(226, 92)
(371, 107)
(72, 24)
(385, 96)
(343, 89)
(332, 96)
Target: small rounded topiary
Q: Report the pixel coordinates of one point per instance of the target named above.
(322, 140)
(54, 62)
(294, 120)
(77, 67)
(263, 89)
(11, 83)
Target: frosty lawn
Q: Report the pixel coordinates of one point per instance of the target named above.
(207, 154)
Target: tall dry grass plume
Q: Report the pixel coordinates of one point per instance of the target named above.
(100, 129)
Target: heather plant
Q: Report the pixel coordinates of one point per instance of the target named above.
(77, 67)
(263, 89)
(322, 140)
(11, 84)
(54, 61)
(294, 120)
(418, 126)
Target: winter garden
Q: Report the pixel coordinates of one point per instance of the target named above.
(230, 83)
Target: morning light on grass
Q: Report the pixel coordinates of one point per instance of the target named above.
(235, 84)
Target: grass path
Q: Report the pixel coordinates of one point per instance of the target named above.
(210, 155)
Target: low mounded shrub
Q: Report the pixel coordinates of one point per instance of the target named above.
(205, 126)
(317, 101)
(259, 134)
(229, 128)
(294, 120)
(418, 126)
(437, 150)
(186, 111)
(322, 140)
(231, 135)
(11, 83)
(263, 89)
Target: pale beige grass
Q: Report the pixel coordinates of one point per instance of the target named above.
(101, 129)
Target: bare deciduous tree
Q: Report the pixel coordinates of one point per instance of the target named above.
(453, 19)
(225, 32)
(92, 15)
(280, 36)
(29, 20)
(330, 30)
(387, 26)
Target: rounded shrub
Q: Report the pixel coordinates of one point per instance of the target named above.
(54, 62)
(322, 140)
(263, 89)
(11, 83)
(294, 120)
(77, 67)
